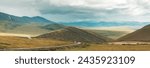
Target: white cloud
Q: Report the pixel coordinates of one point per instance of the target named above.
(19, 7)
(138, 7)
(18, 11)
(75, 10)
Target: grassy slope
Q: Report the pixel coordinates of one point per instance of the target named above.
(18, 42)
(109, 34)
(104, 47)
(30, 29)
(74, 34)
(142, 34)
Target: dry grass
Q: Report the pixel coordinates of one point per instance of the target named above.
(104, 47)
(17, 42)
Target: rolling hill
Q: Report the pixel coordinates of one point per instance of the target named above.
(107, 33)
(142, 34)
(26, 25)
(74, 34)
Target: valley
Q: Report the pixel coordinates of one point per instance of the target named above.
(39, 34)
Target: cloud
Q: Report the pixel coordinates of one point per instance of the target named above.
(19, 7)
(80, 10)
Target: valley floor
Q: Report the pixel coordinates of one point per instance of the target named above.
(56, 45)
(105, 47)
(21, 42)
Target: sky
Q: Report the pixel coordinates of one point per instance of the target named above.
(80, 10)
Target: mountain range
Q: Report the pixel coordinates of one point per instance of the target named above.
(26, 25)
(104, 24)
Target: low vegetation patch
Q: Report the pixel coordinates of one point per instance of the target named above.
(18, 42)
(105, 47)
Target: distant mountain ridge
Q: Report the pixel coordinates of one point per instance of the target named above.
(27, 25)
(103, 23)
(24, 19)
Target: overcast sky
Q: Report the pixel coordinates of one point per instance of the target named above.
(80, 10)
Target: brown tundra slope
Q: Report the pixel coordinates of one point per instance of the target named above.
(142, 34)
(75, 34)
